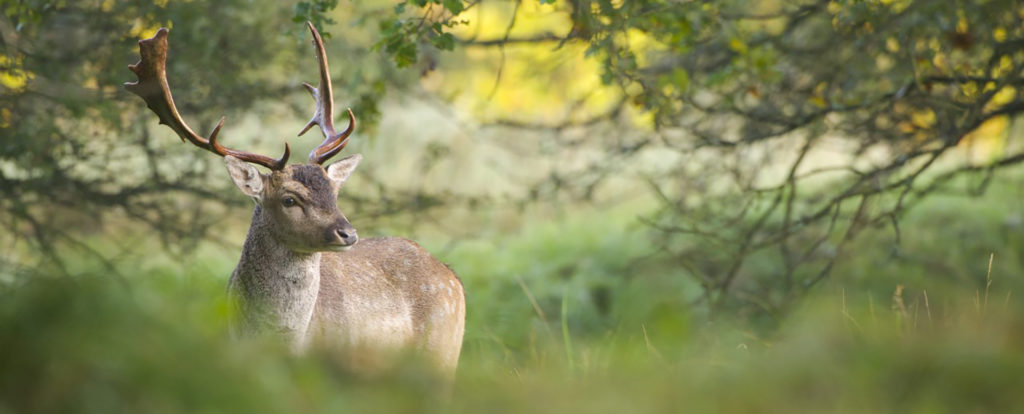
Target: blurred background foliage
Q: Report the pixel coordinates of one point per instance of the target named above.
(733, 206)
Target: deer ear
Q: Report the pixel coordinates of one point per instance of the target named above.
(341, 170)
(246, 177)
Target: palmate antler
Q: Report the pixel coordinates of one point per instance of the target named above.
(324, 114)
(153, 88)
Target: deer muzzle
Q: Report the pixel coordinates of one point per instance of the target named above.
(341, 235)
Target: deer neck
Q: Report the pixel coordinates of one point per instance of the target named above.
(277, 286)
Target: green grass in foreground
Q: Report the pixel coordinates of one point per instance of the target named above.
(93, 344)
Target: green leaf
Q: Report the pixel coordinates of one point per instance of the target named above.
(680, 79)
(454, 6)
(445, 42)
(402, 50)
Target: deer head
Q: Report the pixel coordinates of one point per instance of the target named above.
(297, 203)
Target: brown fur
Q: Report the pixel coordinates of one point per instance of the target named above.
(383, 294)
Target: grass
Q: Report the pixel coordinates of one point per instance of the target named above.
(90, 345)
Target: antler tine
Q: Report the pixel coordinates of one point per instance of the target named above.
(323, 115)
(152, 87)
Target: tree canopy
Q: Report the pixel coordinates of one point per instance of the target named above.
(770, 132)
(795, 124)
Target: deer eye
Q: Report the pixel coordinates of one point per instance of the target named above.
(289, 202)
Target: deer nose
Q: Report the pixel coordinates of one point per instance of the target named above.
(347, 235)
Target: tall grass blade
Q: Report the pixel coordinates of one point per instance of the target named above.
(565, 329)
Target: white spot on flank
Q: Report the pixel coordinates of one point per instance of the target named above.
(423, 288)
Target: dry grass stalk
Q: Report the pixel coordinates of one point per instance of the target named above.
(897, 303)
(927, 308)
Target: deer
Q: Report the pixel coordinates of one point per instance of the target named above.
(304, 275)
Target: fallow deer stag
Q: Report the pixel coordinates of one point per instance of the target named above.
(301, 273)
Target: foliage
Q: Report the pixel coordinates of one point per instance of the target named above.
(903, 85)
(779, 131)
(64, 125)
(401, 34)
(314, 11)
(80, 154)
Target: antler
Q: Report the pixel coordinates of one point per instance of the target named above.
(324, 114)
(153, 88)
